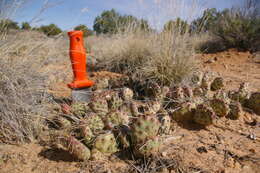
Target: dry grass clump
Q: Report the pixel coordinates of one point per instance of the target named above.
(24, 81)
(163, 57)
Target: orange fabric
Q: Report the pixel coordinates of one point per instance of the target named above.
(78, 61)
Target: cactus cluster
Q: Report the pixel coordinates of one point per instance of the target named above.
(114, 121)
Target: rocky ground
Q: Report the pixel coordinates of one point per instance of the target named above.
(227, 146)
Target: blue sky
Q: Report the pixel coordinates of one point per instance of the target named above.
(69, 13)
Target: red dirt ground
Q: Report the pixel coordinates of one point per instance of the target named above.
(227, 147)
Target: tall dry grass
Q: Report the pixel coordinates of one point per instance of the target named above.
(24, 80)
(166, 58)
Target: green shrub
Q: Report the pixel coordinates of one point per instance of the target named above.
(111, 22)
(26, 26)
(8, 24)
(50, 30)
(85, 29)
(238, 29)
(178, 25)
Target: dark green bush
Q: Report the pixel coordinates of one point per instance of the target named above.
(50, 30)
(85, 29)
(26, 26)
(111, 22)
(8, 24)
(178, 25)
(238, 29)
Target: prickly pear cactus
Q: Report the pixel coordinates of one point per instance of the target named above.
(165, 120)
(220, 107)
(79, 109)
(127, 94)
(115, 102)
(176, 93)
(188, 92)
(62, 122)
(74, 146)
(139, 108)
(204, 115)
(242, 95)
(221, 94)
(154, 106)
(148, 148)
(96, 155)
(118, 82)
(217, 84)
(207, 80)
(235, 110)
(145, 127)
(198, 92)
(106, 143)
(123, 136)
(99, 105)
(254, 102)
(184, 112)
(197, 78)
(162, 95)
(101, 84)
(152, 89)
(86, 134)
(116, 118)
(94, 122)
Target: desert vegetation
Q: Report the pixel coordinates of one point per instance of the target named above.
(153, 84)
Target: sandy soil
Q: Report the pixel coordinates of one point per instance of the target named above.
(227, 147)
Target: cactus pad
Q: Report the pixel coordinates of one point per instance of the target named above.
(99, 105)
(106, 143)
(86, 134)
(254, 102)
(197, 78)
(96, 155)
(123, 136)
(75, 147)
(115, 101)
(101, 84)
(127, 94)
(217, 84)
(94, 122)
(235, 110)
(188, 92)
(116, 118)
(139, 108)
(204, 115)
(207, 80)
(220, 107)
(149, 148)
(79, 109)
(145, 127)
(184, 113)
(62, 122)
(165, 121)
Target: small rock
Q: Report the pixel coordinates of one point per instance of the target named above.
(202, 149)
(252, 136)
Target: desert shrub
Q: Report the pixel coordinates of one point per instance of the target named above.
(178, 25)
(26, 26)
(85, 29)
(165, 58)
(238, 29)
(27, 61)
(231, 28)
(8, 24)
(50, 30)
(112, 22)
